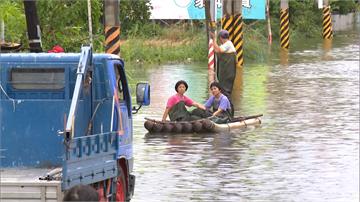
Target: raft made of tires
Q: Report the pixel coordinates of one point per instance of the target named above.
(200, 126)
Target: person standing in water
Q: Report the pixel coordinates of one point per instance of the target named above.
(226, 64)
(176, 105)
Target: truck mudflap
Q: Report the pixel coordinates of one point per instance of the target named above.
(131, 187)
(89, 159)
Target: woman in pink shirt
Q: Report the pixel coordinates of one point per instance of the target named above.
(176, 105)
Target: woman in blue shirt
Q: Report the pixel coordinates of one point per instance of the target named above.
(218, 108)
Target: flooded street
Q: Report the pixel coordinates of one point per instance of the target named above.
(306, 149)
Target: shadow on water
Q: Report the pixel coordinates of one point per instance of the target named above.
(305, 150)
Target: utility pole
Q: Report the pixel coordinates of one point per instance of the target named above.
(2, 31)
(284, 24)
(33, 26)
(210, 14)
(90, 21)
(232, 22)
(112, 26)
(268, 21)
(327, 28)
(284, 32)
(327, 25)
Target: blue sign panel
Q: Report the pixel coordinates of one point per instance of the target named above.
(254, 10)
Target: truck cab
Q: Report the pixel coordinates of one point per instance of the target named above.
(70, 115)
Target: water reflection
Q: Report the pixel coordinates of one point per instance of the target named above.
(306, 149)
(327, 45)
(284, 57)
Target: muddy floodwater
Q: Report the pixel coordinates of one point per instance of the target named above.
(306, 149)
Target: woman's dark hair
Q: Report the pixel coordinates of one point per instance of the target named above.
(81, 193)
(181, 82)
(215, 84)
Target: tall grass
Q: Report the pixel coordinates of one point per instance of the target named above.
(182, 43)
(167, 44)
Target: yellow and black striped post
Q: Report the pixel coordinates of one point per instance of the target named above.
(112, 40)
(227, 22)
(112, 27)
(212, 26)
(236, 35)
(327, 28)
(327, 25)
(233, 23)
(284, 28)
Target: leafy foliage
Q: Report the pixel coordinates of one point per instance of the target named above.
(66, 23)
(11, 12)
(134, 14)
(305, 17)
(343, 7)
(255, 43)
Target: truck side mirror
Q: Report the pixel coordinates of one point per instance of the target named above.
(143, 94)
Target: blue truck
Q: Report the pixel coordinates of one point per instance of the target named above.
(66, 120)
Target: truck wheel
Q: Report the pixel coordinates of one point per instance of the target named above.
(120, 188)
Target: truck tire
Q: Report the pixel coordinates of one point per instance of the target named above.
(121, 188)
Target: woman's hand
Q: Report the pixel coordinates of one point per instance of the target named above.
(165, 115)
(200, 106)
(217, 112)
(212, 35)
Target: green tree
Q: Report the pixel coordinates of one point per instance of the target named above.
(134, 14)
(305, 18)
(11, 13)
(65, 23)
(343, 7)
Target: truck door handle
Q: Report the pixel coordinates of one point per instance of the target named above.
(59, 132)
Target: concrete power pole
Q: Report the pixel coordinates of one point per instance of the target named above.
(284, 24)
(327, 25)
(112, 26)
(232, 22)
(210, 15)
(33, 26)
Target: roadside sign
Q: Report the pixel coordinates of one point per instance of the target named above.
(195, 9)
